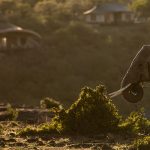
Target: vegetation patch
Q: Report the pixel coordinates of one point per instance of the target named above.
(12, 113)
(142, 144)
(50, 103)
(135, 123)
(92, 113)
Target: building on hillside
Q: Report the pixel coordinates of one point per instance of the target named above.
(15, 37)
(109, 13)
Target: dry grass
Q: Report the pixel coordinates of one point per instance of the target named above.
(10, 140)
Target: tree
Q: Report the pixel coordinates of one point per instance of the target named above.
(46, 7)
(142, 7)
(7, 7)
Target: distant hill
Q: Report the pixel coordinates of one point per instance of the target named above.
(73, 55)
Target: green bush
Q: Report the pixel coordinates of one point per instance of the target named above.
(142, 144)
(28, 131)
(135, 123)
(43, 129)
(92, 113)
(13, 113)
(50, 103)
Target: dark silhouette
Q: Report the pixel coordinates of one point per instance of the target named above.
(138, 73)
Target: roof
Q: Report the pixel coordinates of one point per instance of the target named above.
(108, 7)
(11, 29)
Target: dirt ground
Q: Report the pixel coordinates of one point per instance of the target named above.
(9, 140)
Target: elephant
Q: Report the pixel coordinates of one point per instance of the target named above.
(136, 75)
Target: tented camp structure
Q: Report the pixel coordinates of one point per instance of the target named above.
(109, 13)
(15, 37)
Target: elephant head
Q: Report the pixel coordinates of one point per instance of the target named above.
(138, 72)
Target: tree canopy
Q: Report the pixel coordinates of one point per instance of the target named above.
(142, 7)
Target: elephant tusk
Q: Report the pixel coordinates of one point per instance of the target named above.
(118, 92)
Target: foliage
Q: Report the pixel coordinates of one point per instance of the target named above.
(142, 7)
(135, 123)
(28, 131)
(43, 129)
(142, 144)
(92, 113)
(13, 113)
(50, 103)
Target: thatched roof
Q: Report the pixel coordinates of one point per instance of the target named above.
(11, 29)
(108, 7)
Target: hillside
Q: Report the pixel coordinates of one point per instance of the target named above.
(73, 53)
(70, 58)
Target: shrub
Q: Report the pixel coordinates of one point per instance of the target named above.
(13, 113)
(28, 131)
(135, 123)
(142, 144)
(92, 113)
(50, 103)
(43, 129)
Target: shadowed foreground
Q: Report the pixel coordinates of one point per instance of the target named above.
(9, 139)
(92, 122)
